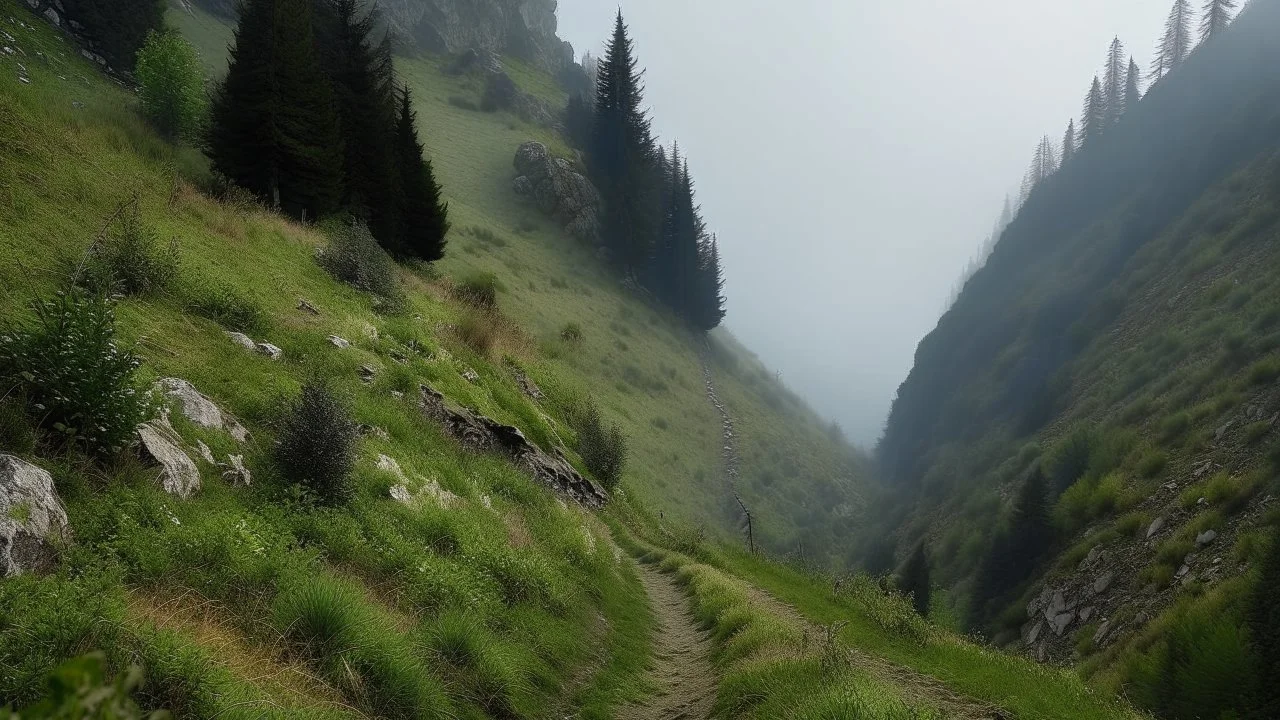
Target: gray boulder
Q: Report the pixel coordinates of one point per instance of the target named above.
(242, 340)
(199, 409)
(160, 445)
(32, 519)
(558, 190)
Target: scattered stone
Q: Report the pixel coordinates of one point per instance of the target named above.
(470, 376)
(397, 394)
(307, 307)
(1103, 582)
(1141, 618)
(178, 474)
(1203, 469)
(1029, 636)
(199, 409)
(242, 340)
(205, 453)
(1182, 571)
(1086, 613)
(373, 431)
(77, 104)
(339, 342)
(32, 520)
(367, 374)
(1101, 633)
(52, 16)
(1156, 526)
(1206, 538)
(1202, 502)
(1062, 621)
(401, 492)
(236, 473)
(1222, 431)
(370, 331)
(270, 351)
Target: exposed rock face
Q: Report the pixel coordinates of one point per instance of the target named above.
(427, 487)
(178, 474)
(523, 28)
(558, 190)
(32, 519)
(201, 410)
(485, 435)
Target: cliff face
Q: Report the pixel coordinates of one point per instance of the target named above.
(523, 28)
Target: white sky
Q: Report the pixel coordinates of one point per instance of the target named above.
(852, 155)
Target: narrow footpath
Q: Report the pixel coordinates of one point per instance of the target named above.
(685, 678)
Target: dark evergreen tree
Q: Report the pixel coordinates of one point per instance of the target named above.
(1068, 142)
(273, 129)
(1176, 43)
(119, 27)
(1093, 121)
(1132, 86)
(710, 309)
(359, 72)
(1217, 17)
(913, 579)
(1043, 164)
(1113, 84)
(1016, 548)
(423, 215)
(1264, 631)
(578, 119)
(621, 158)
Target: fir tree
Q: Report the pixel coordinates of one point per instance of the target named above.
(273, 130)
(621, 158)
(1043, 164)
(119, 27)
(1264, 630)
(1113, 84)
(1217, 17)
(1016, 549)
(914, 579)
(1093, 121)
(578, 119)
(1176, 43)
(1132, 87)
(1068, 142)
(710, 310)
(424, 217)
(359, 72)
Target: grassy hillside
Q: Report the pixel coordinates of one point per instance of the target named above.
(1122, 337)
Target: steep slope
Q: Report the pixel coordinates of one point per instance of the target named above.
(1121, 336)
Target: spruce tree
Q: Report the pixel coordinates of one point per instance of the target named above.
(578, 118)
(1093, 121)
(1264, 631)
(1043, 164)
(1113, 84)
(621, 158)
(1068, 142)
(710, 310)
(1132, 87)
(424, 217)
(914, 579)
(1015, 549)
(119, 27)
(1217, 17)
(1176, 43)
(359, 71)
(273, 129)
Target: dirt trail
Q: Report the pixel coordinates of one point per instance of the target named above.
(685, 678)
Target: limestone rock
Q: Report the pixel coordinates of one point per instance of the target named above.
(558, 190)
(1101, 633)
(200, 410)
(428, 488)
(1062, 621)
(178, 474)
(32, 519)
(205, 453)
(338, 342)
(1206, 538)
(1103, 582)
(270, 351)
(243, 340)
(1156, 526)
(307, 307)
(236, 473)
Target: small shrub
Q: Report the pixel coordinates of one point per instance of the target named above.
(603, 448)
(224, 305)
(486, 236)
(80, 689)
(1174, 427)
(572, 332)
(1254, 432)
(1132, 523)
(317, 445)
(171, 84)
(477, 331)
(355, 258)
(1264, 371)
(129, 259)
(1152, 463)
(1068, 459)
(78, 382)
(479, 290)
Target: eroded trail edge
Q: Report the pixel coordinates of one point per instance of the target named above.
(683, 673)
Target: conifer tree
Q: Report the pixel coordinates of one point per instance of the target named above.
(273, 129)
(621, 158)
(1068, 142)
(1043, 164)
(1113, 84)
(914, 579)
(710, 310)
(424, 217)
(359, 72)
(1015, 549)
(1132, 87)
(1093, 121)
(1217, 17)
(1264, 631)
(578, 118)
(1176, 43)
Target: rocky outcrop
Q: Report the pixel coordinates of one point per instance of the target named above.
(161, 446)
(482, 434)
(199, 409)
(426, 488)
(523, 28)
(32, 519)
(558, 190)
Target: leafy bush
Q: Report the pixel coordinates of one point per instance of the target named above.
(171, 84)
(477, 331)
(80, 689)
(129, 259)
(603, 448)
(480, 290)
(317, 445)
(1152, 463)
(572, 332)
(224, 305)
(355, 258)
(78, 382)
